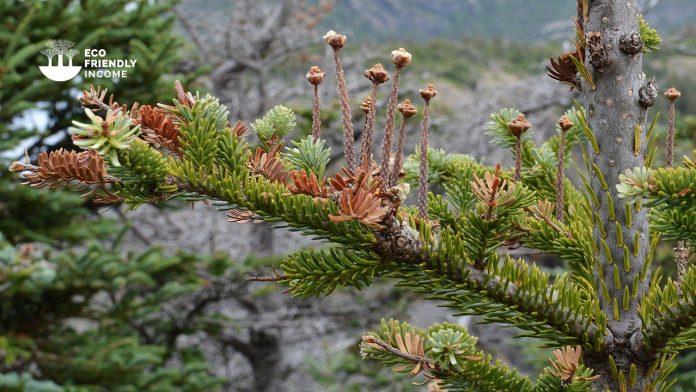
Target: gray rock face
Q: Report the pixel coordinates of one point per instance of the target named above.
(542, 99)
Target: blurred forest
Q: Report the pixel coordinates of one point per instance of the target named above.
(175, 311)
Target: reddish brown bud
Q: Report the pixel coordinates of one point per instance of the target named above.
(519, 125)
(672, 94)
(315, 75)
(17, 167)
(400, 57)
(407, 109)
(334, 39)
(366, 104)
(377, 74)
(428, 93)
(565, 123)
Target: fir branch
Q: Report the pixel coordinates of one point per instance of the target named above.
(672, 187)
(668, 318)
(62, 168)
(675, 224)
(444, 352)
(320, 272)
(649, 36)
(556, 312)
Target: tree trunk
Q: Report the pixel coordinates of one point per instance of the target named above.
(616, 114)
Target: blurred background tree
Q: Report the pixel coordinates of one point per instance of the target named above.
(85, 318)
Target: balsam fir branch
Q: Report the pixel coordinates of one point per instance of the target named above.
(450, 247)
(445, 353)
(668, 316)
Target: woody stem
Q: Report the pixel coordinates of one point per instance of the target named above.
(366, 145)
(388, 130)
(423, 191)
(518, 158)
(345, 112)
(316, 115)
(560, 177)
(399, 158)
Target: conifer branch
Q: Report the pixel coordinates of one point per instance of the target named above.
(668, 318)
(545, 312)
(444, 352)
(671, 187)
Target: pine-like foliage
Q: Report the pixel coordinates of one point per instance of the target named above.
(455, 247)
(92, 320)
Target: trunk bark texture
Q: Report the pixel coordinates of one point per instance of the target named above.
(616, 112)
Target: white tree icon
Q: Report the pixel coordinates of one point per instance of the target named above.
(71, 53)
(61, 46)
(49, 53)
(60, 72)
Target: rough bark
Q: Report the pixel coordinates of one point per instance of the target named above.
(614, 111)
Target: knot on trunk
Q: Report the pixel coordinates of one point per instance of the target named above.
(631, 43)
(599, 58)
(648, 93)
